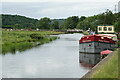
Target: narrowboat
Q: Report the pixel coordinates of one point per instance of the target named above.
(96, 43)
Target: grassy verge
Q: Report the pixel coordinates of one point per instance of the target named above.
(109, 69)
(85, 33)
(13, 41)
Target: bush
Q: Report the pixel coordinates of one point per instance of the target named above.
(36, 36)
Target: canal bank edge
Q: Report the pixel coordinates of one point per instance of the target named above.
(97, 66)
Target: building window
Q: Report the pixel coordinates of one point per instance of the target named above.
(100, 28)
(105, 28)
(110, 28)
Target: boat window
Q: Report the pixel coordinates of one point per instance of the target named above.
(100, 28)
(110, 28)
(105, 28)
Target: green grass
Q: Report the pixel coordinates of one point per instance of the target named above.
(85, 32)
(109, 69)
(13, 41)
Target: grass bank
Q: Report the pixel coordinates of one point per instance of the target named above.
(13, 41)
(109, 69)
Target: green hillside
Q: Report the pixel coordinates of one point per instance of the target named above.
(16, 21)
(72, 22)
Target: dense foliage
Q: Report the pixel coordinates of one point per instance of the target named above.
(44, 23)
(106, 18)
(16, 21)
(55, 25)
(71, 22)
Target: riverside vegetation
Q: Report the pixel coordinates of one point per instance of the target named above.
(72, 22)
(13, 41)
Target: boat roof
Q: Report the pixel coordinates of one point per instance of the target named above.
(106, 35)
(102, 35)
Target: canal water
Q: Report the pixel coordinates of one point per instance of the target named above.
(57, 59)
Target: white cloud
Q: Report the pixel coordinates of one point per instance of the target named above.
(56, 9)
(60, 0)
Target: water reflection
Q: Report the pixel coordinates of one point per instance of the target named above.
(57, 59)
(89, 59)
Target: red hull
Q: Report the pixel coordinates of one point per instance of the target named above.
(96, 37)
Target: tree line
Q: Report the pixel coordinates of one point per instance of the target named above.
(73, 22)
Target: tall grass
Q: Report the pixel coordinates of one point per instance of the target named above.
(13, 41)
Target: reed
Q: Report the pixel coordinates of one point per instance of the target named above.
(13, 41)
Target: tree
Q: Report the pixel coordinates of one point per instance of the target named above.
(13, 21)
(94, 25)
(117, 26)
(55, 25)
(16, 26)
(84, 25)
(43, 23)
(82, 18)
(106, 18)
(71, 22)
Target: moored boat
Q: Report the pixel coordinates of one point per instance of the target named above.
(96, 43)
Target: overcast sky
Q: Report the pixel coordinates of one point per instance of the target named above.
(56, 8)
